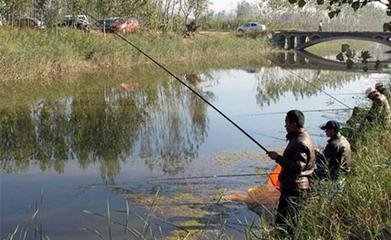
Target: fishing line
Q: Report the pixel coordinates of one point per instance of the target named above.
(211, 176)
(188, 87)
(300, 77)
(349, 94)
(269, 136)
(304, 111)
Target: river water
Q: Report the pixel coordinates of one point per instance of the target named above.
(110, 141)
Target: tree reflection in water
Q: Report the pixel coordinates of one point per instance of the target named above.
(104, 127)
(274, 82)
(161, 122)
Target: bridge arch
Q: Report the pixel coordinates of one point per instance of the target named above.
(316, 40)
(303, 40)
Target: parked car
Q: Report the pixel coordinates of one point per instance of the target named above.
(78, 21)
(107, 24)
(250, 27)
(30, 22)
(126, 25)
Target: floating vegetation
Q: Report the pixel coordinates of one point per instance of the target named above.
(229, 158)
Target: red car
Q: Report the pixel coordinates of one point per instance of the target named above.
(126, 25)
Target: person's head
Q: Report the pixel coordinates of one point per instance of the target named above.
(294, 120)
(331, 128)
(371, 93)
(379, 87)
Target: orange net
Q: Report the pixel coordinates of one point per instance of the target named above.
(273, 177)
(264, 194)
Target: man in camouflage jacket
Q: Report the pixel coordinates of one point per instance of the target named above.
(380, 112)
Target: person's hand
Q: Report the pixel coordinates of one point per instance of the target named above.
(273, 155)
(317, 150)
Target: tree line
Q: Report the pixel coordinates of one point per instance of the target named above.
(172, 15)
(154, 14)
(299, 15)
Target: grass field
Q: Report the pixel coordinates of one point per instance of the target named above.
(28, 55)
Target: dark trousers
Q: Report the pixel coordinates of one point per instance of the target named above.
(288, 208)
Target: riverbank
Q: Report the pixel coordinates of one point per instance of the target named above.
(32, 56)
(363, 209)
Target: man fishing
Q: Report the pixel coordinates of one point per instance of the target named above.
(298, 163)
(383, 90)
(380, 112)
(337, 155)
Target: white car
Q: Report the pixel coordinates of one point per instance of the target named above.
(250, 27)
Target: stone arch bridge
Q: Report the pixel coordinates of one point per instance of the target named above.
(301, 40)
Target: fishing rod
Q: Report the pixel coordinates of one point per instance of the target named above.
(188, 87)
(300, 77)
(304, 111)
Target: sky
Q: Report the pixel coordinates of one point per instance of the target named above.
(228, 5)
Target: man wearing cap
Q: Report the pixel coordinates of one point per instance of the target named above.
(337, 153)
(383, 90)
(380, 110)
(298, 163)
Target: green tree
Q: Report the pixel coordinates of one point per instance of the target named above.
(335, 7)
(245, 10)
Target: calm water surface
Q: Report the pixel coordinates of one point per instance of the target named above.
(96, 146)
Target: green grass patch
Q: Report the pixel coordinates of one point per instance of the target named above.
(28, 55)
(334, 47)
(363, 209)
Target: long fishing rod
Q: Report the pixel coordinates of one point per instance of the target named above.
(304, 111)
(300, 77)
(188, 87)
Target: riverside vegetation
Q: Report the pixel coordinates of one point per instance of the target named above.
(363, 209)
(41, 56)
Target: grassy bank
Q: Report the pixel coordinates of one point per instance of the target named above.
(363, 209)
(31, 55)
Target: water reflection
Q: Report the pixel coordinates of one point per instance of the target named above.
(149, 126)
(307, 60)
(162, 123)
(166, 122)
(273, 83)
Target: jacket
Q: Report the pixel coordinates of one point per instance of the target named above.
(297, 162)
(380, 111)
(338, 155)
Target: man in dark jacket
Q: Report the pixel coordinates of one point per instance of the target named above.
(337, 155)
(298, 163)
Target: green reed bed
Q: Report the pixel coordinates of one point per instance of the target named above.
(363, 209)
(28, 55)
